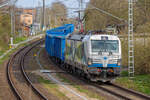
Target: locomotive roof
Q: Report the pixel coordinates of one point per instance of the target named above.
(99, 37)
(75, 37)
(94, 37)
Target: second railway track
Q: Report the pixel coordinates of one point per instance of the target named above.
(19, 81)
(121, 92)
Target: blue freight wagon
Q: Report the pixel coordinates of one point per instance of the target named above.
(55, 40)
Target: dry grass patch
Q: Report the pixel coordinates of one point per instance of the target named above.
(53, 88)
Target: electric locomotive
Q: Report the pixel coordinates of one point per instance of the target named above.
(95, 57)
(98, 57)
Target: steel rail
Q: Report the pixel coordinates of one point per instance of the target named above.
(12, 86)
(111, 92)
(131, 91)
(128, 91)
(25, 74)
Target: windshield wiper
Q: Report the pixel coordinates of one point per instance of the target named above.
(110, 53)
(100, 52)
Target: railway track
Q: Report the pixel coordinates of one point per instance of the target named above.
(18, 79)
(113, 89)
(121, 92)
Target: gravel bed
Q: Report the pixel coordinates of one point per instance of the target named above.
(5, 91)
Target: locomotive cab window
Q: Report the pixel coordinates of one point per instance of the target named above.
(105, 45)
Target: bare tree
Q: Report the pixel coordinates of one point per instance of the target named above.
(98, 20)
(58, 14)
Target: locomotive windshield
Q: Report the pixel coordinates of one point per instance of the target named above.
(105, 45)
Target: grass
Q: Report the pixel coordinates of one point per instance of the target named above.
(63, 79)
(53, 88)
(2, 52)
(9, 54)
(124, 73)
(3, 47)
(4, 32)
(89, 93)
(140, 83)
(6, 46)
(19, 39)
(80, 88)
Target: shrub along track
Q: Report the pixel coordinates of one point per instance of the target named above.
(21, 85)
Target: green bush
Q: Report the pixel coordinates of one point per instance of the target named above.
(124, 45)
(142, 58)
(124, 73)
(4, 32)
(142, 54)
(19, 39)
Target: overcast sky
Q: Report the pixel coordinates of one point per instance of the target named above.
(35, 3)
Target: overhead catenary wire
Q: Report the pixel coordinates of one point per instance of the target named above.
(107, 13)
(4, 4)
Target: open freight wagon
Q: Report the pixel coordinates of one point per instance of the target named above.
(55, 40)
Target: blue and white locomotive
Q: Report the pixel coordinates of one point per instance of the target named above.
(96, 57)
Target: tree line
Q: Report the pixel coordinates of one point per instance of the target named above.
(96, 20)
(56, 15)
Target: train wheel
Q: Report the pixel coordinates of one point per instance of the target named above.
(108, 82)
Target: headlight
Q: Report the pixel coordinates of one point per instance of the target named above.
(110, 70)
(119, 62)
(89, 62)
